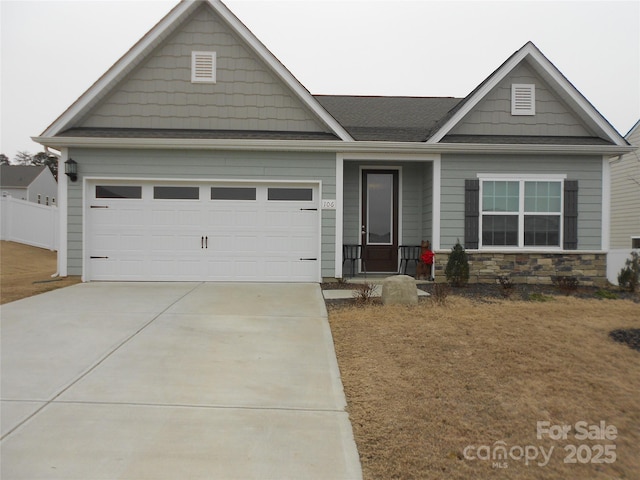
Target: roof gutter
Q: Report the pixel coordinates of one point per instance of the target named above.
(329, 146)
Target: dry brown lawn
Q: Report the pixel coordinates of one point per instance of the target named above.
(26, 271)
(425, 382)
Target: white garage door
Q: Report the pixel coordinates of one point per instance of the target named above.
(205, 232)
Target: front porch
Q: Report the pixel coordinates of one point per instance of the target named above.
(387, 204)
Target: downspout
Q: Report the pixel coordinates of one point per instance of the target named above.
(52, 153)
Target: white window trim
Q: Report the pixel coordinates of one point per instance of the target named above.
(203, 77)
(528, 89)
(502, 177)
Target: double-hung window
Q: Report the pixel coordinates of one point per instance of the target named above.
(521, 212)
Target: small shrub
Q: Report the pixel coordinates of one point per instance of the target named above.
(629, 276)
(606, 295)
(539, 297)
(457, 270)
(364, 293)
(440, 293)
(566, 284)
(507, 285)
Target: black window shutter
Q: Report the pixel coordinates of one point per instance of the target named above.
(570, 215)
(471, 213)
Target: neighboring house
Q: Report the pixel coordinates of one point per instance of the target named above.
(625, 206)
(201, 158)
(26, 182)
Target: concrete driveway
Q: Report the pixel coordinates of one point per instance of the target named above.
(173, 380)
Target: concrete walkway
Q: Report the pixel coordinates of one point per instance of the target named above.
(173, 380)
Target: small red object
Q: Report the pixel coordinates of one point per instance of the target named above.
(427, 257)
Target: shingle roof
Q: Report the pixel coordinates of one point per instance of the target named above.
(401, 119)
(19, 176)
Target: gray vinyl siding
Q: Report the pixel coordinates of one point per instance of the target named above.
(427, 202)
(625, 195)
(159, 93)
(198, 166)
(351, 199)
(412, 200)
(492, 115)
(586, 169)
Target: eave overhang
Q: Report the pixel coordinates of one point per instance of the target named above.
(331, 146)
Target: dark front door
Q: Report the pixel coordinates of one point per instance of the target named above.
(380, 220)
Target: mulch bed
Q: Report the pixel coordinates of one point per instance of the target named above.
(487, 291)
(630, 336)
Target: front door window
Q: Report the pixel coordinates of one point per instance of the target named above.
(380, 209)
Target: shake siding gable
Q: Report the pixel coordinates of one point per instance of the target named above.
(586, 170)
(159, 92)
(492, 115)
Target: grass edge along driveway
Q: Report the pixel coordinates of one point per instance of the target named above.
(423, 383)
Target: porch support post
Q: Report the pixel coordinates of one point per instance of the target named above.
(339, 213)
(62, 213)
(435, 218)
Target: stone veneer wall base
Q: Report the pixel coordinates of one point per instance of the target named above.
(530, 268)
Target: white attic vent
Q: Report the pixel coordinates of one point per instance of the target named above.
(523, 99)
(203, 67)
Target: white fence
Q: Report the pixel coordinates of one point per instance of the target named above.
(28, 223)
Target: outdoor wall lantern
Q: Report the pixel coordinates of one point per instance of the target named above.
(71, 169)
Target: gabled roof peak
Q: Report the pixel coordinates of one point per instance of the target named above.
(530, 53)
(156, 36)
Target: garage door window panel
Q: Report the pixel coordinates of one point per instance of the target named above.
(290, 194)
(133, 192)
(176, 193)
(233, 193)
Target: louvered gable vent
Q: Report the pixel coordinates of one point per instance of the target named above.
(203, 67)
(523, 99)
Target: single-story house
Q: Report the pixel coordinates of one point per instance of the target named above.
(200, 157)
(625, 206)
(29, 182)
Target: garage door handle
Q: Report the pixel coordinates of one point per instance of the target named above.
(310, 209)
(206, 242)
(308, 259)
(201, 242)
(99, 206)
(98, 257)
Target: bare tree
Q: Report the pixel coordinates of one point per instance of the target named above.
(23, 158)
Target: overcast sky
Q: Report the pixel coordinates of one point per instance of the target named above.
(52, 51)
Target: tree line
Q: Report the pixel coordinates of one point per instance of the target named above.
(40, 158)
